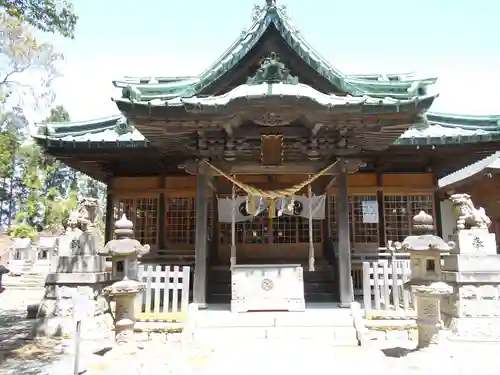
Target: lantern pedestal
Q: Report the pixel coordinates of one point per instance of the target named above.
(428, 302)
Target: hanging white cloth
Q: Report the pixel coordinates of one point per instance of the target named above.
(242, 212)
(288, 206)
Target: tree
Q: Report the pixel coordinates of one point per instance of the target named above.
(55, 16)
(60, 195)
(28, 68)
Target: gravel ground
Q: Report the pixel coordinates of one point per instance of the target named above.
(18, 353)
(21, 356)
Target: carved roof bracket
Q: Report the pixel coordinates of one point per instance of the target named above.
(313, 153)
(202, 145)
(316, 129)
(230, 150)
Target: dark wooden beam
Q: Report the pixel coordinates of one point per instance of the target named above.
(108, 229)
(344, 243)
(382, 240)
(201, 241)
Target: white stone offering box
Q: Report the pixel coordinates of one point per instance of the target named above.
(476, 241)
(267, 287)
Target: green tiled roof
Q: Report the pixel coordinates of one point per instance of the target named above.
(444, 128)
(488, 164)
(115, 131)
(147, 89)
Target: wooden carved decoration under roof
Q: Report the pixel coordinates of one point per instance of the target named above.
(271, 149)
(272, 71)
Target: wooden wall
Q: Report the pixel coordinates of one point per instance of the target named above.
(360, 184)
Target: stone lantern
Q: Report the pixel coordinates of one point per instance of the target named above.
(124, 251)
(425, 250)
(124, 293)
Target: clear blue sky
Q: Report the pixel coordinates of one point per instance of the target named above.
(456, 40)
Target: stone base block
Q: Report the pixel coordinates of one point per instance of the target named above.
(55, 315)
(471, 263)
(473, 329)
(472, 300)
(92, 328)
(78, 264)
(474, 241)
(78, 278)
(471, 277)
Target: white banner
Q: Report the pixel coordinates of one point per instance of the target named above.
(298, 205)
(225, 208)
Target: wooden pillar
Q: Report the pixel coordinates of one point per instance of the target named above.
(344, 242)
(161, 215)
(201, 240)
(108, 229)
(382, 241)
(436, 201)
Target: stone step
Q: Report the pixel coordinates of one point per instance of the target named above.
(330, 325)
(333, 336)
(23, 282)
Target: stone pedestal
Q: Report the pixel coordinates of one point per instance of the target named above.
(78, 270)
(472, 311)
(55, 312)
(124, 293)
(428, 301)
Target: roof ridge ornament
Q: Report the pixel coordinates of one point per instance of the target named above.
(272, 71)
(258, 10)
(123, 126)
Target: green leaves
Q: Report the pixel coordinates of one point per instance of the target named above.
(54, 16)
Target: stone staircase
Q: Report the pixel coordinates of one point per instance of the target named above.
(24, 282)
(319, 286)
(319, 323)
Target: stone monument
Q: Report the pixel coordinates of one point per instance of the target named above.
(425, 250)
(77, 269)
(124, 252)
(472, 311)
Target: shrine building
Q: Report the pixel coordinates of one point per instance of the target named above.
(273, 156)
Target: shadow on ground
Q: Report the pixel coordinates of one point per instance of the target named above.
(19, 352)
(397, 352)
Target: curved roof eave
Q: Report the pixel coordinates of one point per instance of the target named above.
(262, 19)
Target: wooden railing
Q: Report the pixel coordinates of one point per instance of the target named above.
(384, 294)
(166, 294)
(357, 260)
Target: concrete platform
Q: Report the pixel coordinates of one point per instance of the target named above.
(320, 322)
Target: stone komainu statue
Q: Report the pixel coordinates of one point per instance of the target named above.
(468, 217)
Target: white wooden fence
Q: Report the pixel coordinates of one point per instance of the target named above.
(384, 294)
(166, 296)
